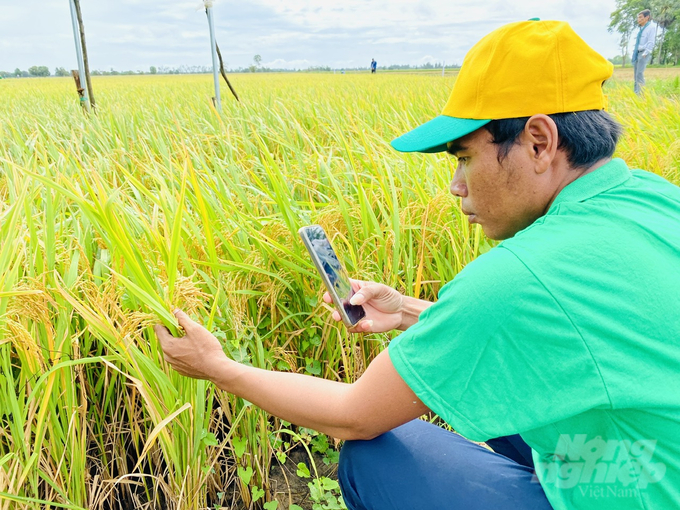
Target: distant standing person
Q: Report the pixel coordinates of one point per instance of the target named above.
(644, 45)
(374, 66)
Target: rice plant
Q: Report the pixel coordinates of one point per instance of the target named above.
(108, 221)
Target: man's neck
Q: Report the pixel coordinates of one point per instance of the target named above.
(571, 174)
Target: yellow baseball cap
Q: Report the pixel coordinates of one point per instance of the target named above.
(518, 70)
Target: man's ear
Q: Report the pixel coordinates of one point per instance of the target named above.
(541, 140)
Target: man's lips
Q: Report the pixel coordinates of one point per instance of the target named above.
(472, 217)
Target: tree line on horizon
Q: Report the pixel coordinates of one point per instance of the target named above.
(44, 71)
(623, 20)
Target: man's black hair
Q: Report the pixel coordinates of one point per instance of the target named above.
(646, 13)
(586, 137)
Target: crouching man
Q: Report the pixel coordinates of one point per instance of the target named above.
(559, 347)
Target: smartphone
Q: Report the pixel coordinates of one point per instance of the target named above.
(332, 273)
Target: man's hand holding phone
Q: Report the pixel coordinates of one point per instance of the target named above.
(364, 307)
(384, 307)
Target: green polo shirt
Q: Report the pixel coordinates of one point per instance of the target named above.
(569, 334)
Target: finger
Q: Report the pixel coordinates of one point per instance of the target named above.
(336, 316)
(365, 326)
(184, 320)
(327, 297)
(358, 284)
(367, 292)
(364, 295)
(162, 333)
(358, 299)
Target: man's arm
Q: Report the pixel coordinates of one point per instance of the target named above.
(379, 401)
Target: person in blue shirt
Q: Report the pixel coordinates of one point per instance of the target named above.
(374, 65)
(644, 45)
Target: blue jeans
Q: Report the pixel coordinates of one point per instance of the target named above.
(422, 466)
(639, 66)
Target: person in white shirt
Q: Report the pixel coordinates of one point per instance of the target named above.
(644, 45)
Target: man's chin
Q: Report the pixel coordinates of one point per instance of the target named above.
(490, 232)
(496, 236)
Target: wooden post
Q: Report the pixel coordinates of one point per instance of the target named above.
(85, 62)
(80, 89)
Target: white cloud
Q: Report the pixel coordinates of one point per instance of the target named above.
(426, 59)
(134, 34)
(280, 63)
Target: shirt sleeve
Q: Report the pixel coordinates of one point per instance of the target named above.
(497, 355)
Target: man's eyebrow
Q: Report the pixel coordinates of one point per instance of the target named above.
(455, 147)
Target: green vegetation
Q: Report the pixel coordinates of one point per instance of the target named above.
(109, 221)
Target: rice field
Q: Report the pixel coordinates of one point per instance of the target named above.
(108, 221)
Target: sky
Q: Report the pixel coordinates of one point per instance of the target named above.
(292, 34)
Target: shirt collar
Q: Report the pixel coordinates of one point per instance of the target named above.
(598, 181)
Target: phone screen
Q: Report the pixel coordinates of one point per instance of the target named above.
(334, 275)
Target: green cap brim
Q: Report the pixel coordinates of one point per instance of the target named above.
(435, 134)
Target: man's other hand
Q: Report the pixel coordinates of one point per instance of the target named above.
(383, 306)
(198, 354)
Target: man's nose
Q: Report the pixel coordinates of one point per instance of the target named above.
(458, 187)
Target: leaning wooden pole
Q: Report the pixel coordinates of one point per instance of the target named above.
(84, 46)
(224, 74)
(216, 52)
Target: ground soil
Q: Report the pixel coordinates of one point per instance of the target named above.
(287, 487)
(659, 73)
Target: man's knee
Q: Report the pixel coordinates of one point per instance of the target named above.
(419, 465)
(348, 451)
(367, 469)
(357, 457)
(406, 444)
(373, 473)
